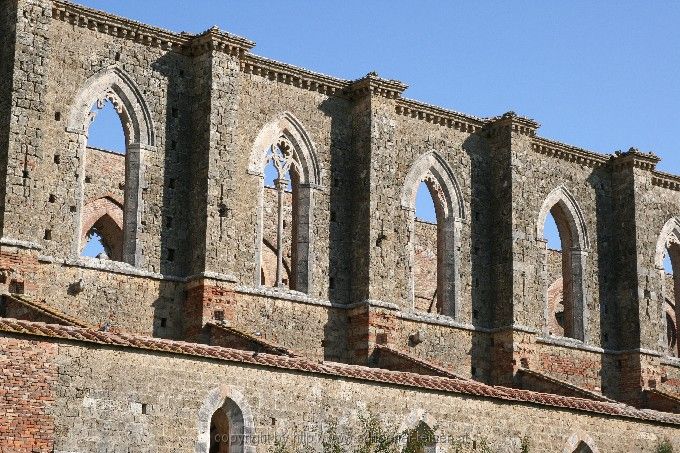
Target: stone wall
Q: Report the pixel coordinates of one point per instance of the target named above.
(200, 111)
(106, 398)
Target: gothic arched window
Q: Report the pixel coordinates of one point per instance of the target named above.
(565, 290)
(432, 249)
(115, 174)
(668, 265)
(284, 160)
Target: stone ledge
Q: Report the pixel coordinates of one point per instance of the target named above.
(285, 294)
(672, 361)
(372, 303)
(20, 244)
(115, 267)
(440, 320)
(570, 343)
(229, 278)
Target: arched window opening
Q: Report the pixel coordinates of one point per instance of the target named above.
(671, 292)
(421, 439)
(227, 429)
(583, 447)
(110, 121)
(430, 192)
(95, 247)
(104, 240)
(285, 210)
(105, 171)
(219, 432)
(556, 308)
(427, 260)
(562, 230)
(281, 201)
(106, 130)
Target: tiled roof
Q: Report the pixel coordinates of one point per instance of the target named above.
(441, 384)
(570, 388)
(46, 310)
(436, 369)
(267, 345)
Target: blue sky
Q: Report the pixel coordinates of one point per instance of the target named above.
(601, 75)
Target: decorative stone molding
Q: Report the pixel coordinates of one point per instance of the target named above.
(241, 423)
(562, 196)
(304, 151)
(373, 85)
(578, 438)
(512, 122)
(110, 24)
(666, 180)
(437, 115)
(634, 158)
(432, 164)
(293, 75)
(670, 233)
(568, 153)
(117, 86)
(215, 40)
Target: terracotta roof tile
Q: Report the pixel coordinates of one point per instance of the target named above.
(565, 386)
(268, 345)
(57, 331)
(436, 369)
(45, 309)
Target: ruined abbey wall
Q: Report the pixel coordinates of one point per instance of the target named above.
(188, 205)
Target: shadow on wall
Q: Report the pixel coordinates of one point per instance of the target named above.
(172, 155)
(338, 183)
(480, 254)
(607, 274)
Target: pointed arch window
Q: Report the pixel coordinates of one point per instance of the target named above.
(564, 288)
(440, 285)
(113, 90)
(284, 159)
(282, 200)
(668, 265)
(421, 439)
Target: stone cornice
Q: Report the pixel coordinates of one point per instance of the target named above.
(438, 115)
(666, 180)
(293, 75)
(515, 123)
(215, 40)
(118, 26)
(634, 158)
(567, 152)
(211, 39)
(373, 85)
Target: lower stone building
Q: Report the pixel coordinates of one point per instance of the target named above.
(264, 281)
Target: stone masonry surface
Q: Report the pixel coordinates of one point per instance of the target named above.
(209, 265)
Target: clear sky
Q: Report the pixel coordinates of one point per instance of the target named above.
(601, 75)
